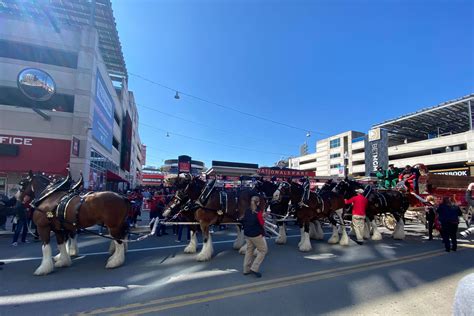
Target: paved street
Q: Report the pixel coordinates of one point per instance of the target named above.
(413, 276)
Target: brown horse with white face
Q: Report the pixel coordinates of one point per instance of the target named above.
(323, 205)
(107, 208)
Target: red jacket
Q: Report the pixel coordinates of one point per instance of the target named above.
(359, 204)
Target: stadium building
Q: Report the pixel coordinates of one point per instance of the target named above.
(441, 137)
(64, 98)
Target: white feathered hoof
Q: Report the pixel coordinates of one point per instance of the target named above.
(112, 247)
(376, 235)
(305, 245)
(204, 255)
(399, 232)
(56, 257)
(243, 249)
(64, 260)
(334, 237)
(366, 230)
(47, 265)
(239, 242)
(312, 231)
(190, 249)
(281, 240)
(344, 241)
(118, 258)
(351, 232)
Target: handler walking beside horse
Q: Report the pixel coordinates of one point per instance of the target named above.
(253, 225)
(359, 206)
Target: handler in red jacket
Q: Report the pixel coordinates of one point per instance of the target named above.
(359, 206)
(253, 225)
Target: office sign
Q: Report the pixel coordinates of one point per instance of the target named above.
(376, 151)
(103, 120)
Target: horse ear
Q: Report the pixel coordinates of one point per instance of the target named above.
(30, 174)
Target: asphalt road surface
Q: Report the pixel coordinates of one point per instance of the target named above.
(411, 277)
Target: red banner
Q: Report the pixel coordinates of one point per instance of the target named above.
(285, 172)
(37, 154)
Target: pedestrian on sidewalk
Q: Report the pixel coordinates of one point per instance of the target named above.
(448, 214)
(253, 226)
(359, 207)
(21, 215)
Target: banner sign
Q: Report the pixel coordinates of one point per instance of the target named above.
(459, 172)
(37, 153)
(126, 151)
(76, 145)
(376, 151)
(103, 120)
(277, 172)
(184, 164)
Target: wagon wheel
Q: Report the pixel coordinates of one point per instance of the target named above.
(379, 220)
(389, 221)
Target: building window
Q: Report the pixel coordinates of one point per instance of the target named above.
(335, 166)
(44, 55)
(334, 143)
(335, 156)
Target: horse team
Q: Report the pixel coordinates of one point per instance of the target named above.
(62, 209)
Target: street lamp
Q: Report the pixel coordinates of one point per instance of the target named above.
(176, 96)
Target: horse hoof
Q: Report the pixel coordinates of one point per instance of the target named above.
(190, 250)
(333, 241)
(62, 264)
(344, 241)
(305, 248)
(376, 237)
(56, 257)
(202, 258)
(280, 241)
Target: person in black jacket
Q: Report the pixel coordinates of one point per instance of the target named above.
(448, 215)
(430, 215)
(253, 225)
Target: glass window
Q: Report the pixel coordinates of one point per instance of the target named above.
(335, 155)
(335, 166)
(334, 143)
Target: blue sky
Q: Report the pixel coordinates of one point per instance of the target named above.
(327, 66)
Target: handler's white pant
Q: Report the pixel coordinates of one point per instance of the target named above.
(358, 224)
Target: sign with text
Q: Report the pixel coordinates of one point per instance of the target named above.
(184, 164)
(103, 120)
(76, 143)
(37, 153)
(376, 151)
(285, 172)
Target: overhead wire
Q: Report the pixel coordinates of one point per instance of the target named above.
(213, 142)
(226, 106)
(205, 125)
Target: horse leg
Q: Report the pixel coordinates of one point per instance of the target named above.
(71, 247)
(334, 239)
(399, 232)
(376, 235)
(344, 241)
(207, 249)
(118, 257)
(366, 229)
(302, 235)
(281, 240)
(239, 242)
(306, 244)
(312, 230)
(319, 231)
(64, 260)
(192, 246)
(46, 265)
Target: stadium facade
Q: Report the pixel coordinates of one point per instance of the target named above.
(441, 137)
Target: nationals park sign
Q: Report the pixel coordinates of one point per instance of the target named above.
(285, 172)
